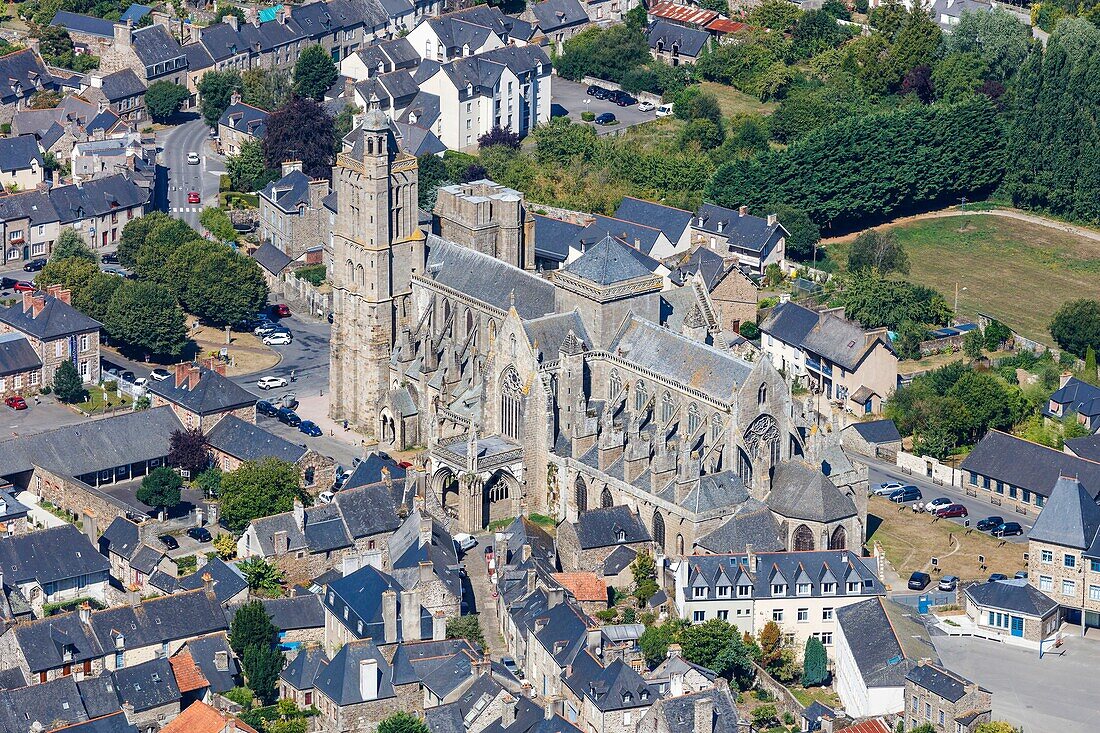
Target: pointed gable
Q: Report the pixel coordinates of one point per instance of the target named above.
(1070, 517)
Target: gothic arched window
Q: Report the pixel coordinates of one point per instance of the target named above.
(693, 418)
(839, 539)
(659, 530)
(511, 401)
(605, 498)
(803, 538)
(715, 426)
(668, 407)
(762, 394)
(615, 385)
(581, 494)
(641, 395)
(469, 321)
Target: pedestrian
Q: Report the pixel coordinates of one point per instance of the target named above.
(345, 426)
(37, 400)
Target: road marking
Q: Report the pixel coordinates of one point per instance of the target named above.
(217, 173)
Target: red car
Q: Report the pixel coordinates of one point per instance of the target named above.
(952, 510)
(193, 197)
(16, 402)
(405, 464)
(282, 310)
(24, 287)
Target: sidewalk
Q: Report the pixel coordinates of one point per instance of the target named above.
(315, 408)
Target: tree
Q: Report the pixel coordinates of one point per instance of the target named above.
(695, 104)
(763, 716)
(262, 666)
(815, 664)
(225, 546)
(314, 72)
(267, 89)
(261, 576)
(233, 10)
(803, 234)
(210, 481)
(703, 134)
(919, 82)
(654, 643)
(251, 626)
(499, 136)
(876, 301)
(67, 385)
(258, 489)
(403, 722)
(816, 31)
(1089, 372)
(188, 449)
(343, 123)
(160, 488)
(217, 283)
(150, 253)
(878, 250)
(216, 93)
(73, 273)
(734, 662)
(300, 130)
(92, 300)
(996, 726)
(248, 170)
(771, 645)
(958, 76)
(999, 38)
(644, 572)
(432, 174)
(973, 343)
(702, 643)
(606, 53)
(163, 99)
(1076, 326)
(218, 224)
(996, 334)
(134, 235)
(69, 245)
(146, 318)
(466, 627)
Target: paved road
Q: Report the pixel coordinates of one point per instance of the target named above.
(1054, 694)
(571, 99)
(175, 143)
(480, 594)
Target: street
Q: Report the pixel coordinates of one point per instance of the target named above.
(175, 144)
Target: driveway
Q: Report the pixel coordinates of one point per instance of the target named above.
(570, 99)
(1055, 693)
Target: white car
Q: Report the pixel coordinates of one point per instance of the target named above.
(271, 382)
(887, 488)
(936, 503)
(159, 375)
(645, 106)
(278, 339)
(192, 158)
(465, 542)
(664, 110)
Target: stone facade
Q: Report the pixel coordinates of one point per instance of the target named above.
(80, 348)
(294, 229)
(488, 218)
(574, 558)
(735, 298)
(1064, 574)
(922, 706)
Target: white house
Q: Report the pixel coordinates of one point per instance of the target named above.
(54, 565)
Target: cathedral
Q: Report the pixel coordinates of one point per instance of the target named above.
(594, 385)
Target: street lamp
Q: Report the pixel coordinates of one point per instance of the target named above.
(957, 291)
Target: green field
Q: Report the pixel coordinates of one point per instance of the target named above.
(1016, 271)
(735, 102)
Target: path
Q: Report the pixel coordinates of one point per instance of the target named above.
(37, 514)
(1006, 213)
(481, 592)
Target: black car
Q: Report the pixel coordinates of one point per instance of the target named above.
(989, 523)
(997, 576)
(34, 265)
(7, 283)
(110, 258)
(600, 93)
(169, 541)
(266, 408)
(595, 90)
(623, 99)
(128, 376)
(607, 118)
(288, 417)
(199, 534)
(906, 495)
(919, 580)
(1007, 529)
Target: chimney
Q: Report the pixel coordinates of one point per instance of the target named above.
(548, 708)
(368, 679)
(425, 531)
(221, 660)
(193, 376)
(389, 616)
(28, 299)
(594, 639)
(291, 165)
(1066, 376)
(772, 218)
(53, 290)
(38, 304)
(751, 557)
(410, 615)
(91, 527)
(439, 626)
(554, 596)
(508, 711)
(232, 21)
(299, 514)
(208, 582)
(923, 661)
(134, 595)
(65, 296)
(95, 79)
(704, 714)
(235, 97)
(525, 552)
(427, 572)
(124, 33)
(180, 374)
(742, 210)
(530, 580)
(280, 542)
(674, 650)
(85, 613)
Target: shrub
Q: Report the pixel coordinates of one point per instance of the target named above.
(314, 274)
(588, 116)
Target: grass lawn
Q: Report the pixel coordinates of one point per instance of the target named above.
(1013, 270)
(824, 695)
(735, 102)
(935, 361)
(97, 401)
(911, 540)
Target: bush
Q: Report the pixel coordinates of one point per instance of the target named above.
(314, 274)
(588, 116)
(466, 627)
(242, 696)
(750, 330)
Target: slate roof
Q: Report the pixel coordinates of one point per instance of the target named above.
(407, 550)
(12, 678)
(295, 613)
(85, 447)
(85, 24)
(1070, 517)
(302, 670)
(157, 620)
(1028, 465)
(135, 13)
(360, 593)
(214, 393)
(789, 569)
(1012, 595)
(610, 262)
(564, 636)
(877, 431)
(708, 264)
(939, 681)
(619, 560)
(271, 258)
(17, 153)
(248, 442)
(547, 334)
(802, 491)
(54, 704)
(600, 527)
(396, 53)
(21, 74)
(122, 84)
(553, 15)
(228, 580)
(245, 118)
(885, 639)
(368, 510)
(614, 687)
(417, 140)
(339, 679)
(198, 58)
(522, 60)
(669, 220)
(44, 642)
(97, 197)
(553, 237)
(839, 340)
(1087, 447)
(1076, 396)
(522, 531)
(154, 44)
(57, 319)
(146, 559)
(488, 279)
(204, 651)
(147, 685)
(288, 192)
(17, 355)
(678, 713)
(744, 232)
(753, 524)
(667, 36)
(423, 110)
(49, 555)
(717, 373)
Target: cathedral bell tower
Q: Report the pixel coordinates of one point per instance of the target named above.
(377, 247)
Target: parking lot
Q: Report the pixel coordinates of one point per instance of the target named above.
(570, 99)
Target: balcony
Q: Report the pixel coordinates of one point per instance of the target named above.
(819, 366)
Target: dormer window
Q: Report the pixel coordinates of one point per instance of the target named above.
(779, 589)
(744, 591)
(803, 589)
(699, 592)
(828, 588)
(620, 536)
(853, 586)
(723, 591)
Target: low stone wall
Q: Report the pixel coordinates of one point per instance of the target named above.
(929, 468)
(640, 96)
(785, 702)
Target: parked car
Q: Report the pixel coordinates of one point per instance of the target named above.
(282, 310)
(311, 429)
(465, 542)
(266, 408)
(199, 534)
(110, 258)
(193, 197)
(989, 523)
(140, 382)
(663, 110)
(646, 106)
(948, 583)
(169, 541)
(624, 100)
(1007, 529)
(405, 464)
(595, 90)
(278, 339)
(159, 375)
(289, 417)
(1020, 575)
(938, 503)
(919, 580)
(607, 118)
(993, 577)
(192, 158)
(129, 376)
(270, 382)
(905, 494)
(951, 510)
(35, 265)
(887, 488)
(265, 328)
(24, 287)
(16, 402)
(511, 666)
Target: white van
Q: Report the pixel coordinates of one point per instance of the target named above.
(665, 110)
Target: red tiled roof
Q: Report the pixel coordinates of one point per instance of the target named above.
(584, 586)
(683, 13)
(867, 726)
(725, 25)
(201, 718)
(188, 675)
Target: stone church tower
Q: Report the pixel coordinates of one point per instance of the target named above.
(377, 248)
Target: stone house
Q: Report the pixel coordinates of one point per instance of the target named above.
(21, 166)
(152, 53)
(421, 556)
(201, 395)
(944, 700)
(239, 124)
(355, 690)
(53, 565)
(232, 441)
(13, 514)
(755, 242)
(1013, 610)
(89, 34)
(733, 294)
(149, 694)
(24, 74)
(676, 676)
(872, 438)
(133, 563)
(200, 717)
(585, 544)
(558, 632)
(57, 332)
(297, 680)
(676, 44)
(604, 699)
(480, 705)
(587, 589)
(558, 20)
(370, 604)
(122, 92)
(292, 213)
(20, 366)
(703, 711)
(299, 619)
(1078, 398)
(216, 661)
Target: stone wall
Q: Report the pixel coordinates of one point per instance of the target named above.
(922, 706)
(79, 498)
(930, 468)
(785, 702)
